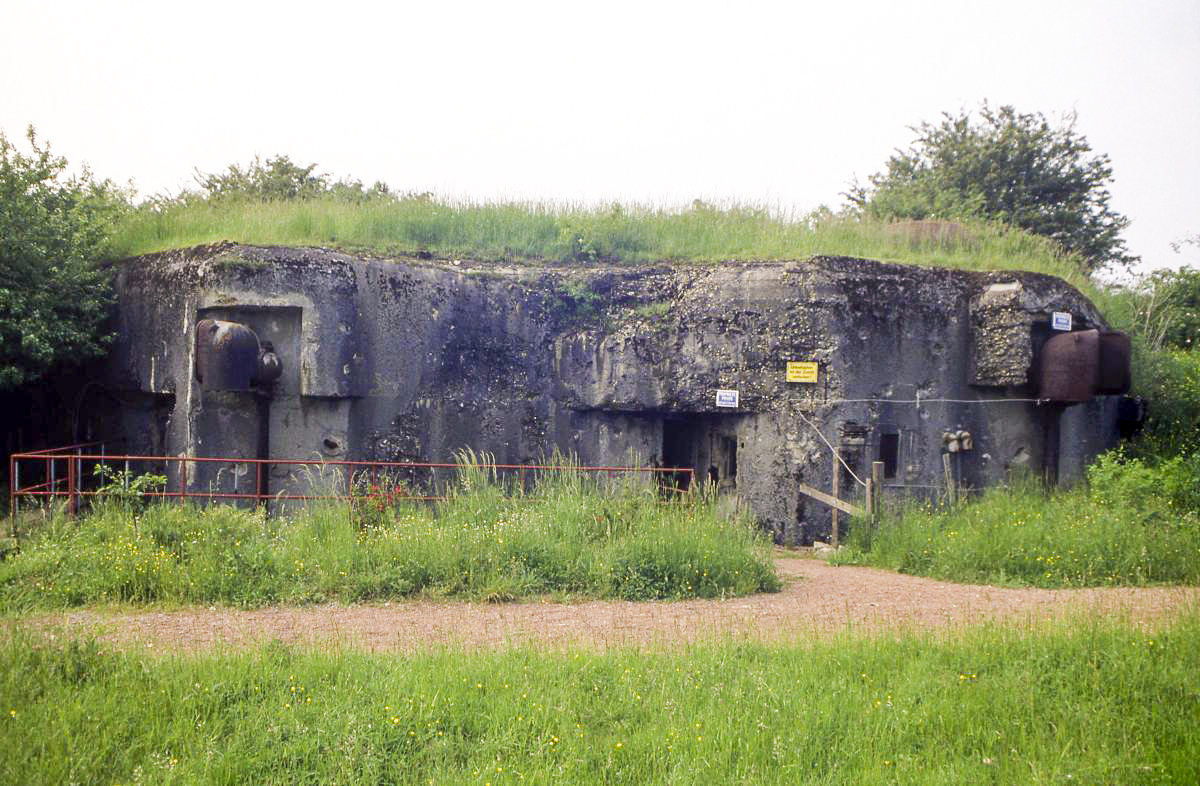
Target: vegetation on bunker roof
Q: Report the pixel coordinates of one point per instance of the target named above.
(423, 226)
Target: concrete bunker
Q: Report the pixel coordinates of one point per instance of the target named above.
(415, 359)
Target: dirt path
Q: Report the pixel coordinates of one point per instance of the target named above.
(817, 600)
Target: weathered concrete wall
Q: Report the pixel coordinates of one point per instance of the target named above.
(407, 359)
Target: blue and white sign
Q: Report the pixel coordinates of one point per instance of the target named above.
(727, 398)
(1061, 320)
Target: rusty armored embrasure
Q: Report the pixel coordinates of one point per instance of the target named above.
(230, 357)
(1074, 367)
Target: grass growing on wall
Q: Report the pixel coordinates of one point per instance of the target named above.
(1133, 526)
(1078, 702)
(568, 536)
(548, 232)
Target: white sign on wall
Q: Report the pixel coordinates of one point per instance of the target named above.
(1061, 320)
(727, 398)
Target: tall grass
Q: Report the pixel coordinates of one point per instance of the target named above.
(1128, 529)
(1079, 702)
(567, 535)
(620, 233)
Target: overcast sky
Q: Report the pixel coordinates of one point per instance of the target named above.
(662, 102)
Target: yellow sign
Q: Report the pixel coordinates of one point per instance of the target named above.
(801, 371)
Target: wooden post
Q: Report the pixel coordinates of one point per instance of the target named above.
(951, 489)
(870, 500)
(877, 482)
(833, 539)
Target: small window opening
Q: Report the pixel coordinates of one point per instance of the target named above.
(889, 453)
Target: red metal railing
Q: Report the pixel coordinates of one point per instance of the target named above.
(58, 474)
(53, 482)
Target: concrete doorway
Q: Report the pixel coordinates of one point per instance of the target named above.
(708, 444)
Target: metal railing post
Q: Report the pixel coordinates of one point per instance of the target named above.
(78, 477)
(258, 483)
(14, 486)
(70, 485)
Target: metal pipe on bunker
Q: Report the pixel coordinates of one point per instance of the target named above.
(267, 370)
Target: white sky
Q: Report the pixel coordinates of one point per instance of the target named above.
(662, 102)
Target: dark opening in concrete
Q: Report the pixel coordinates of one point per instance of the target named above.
(679, 447)
(705, 443)
(889, 452)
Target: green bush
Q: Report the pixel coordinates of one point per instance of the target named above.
(1119, 480)
(1170, 382)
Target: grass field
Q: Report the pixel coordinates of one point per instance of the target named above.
(568, 537)
(563, 233)
(1130, 528)
(1108, 700)
(1082, 702)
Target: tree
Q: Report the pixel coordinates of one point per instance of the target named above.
(279, 179)
(53, 229)
(1009, 167)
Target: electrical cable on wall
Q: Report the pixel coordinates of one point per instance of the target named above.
(833, 449)
(920, 401)
(917, 401)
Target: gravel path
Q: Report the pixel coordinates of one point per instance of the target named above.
(817, 600)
